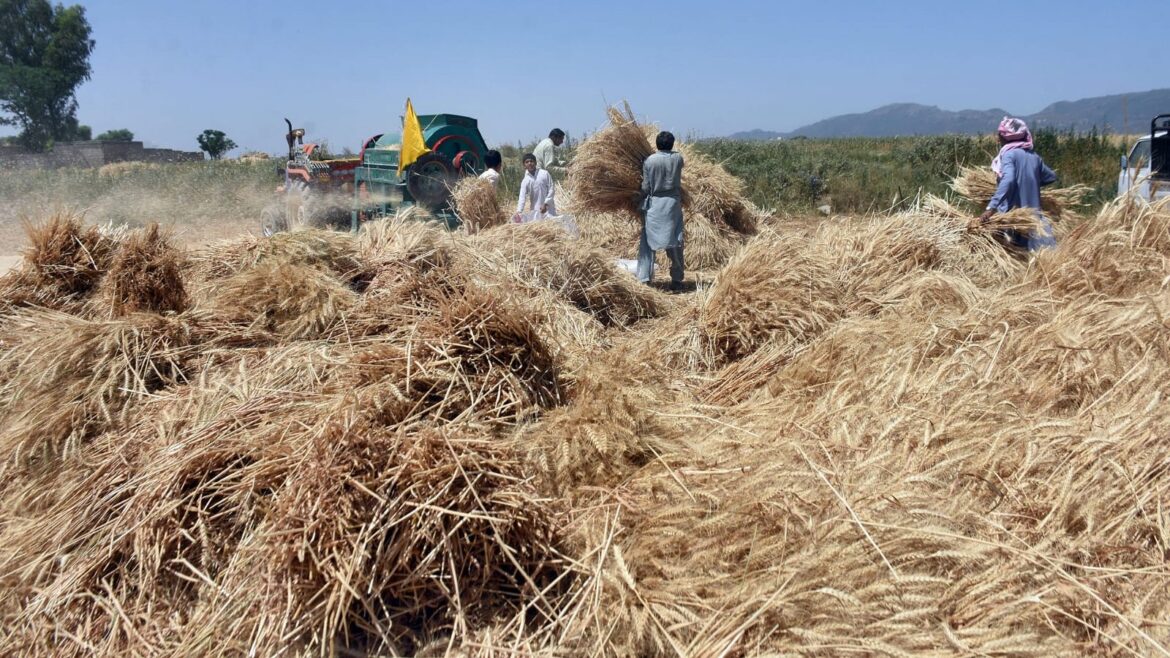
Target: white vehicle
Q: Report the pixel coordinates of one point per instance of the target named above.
(1147, 168)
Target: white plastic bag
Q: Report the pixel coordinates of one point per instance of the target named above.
(566, 221)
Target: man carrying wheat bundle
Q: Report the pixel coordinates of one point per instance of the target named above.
(1021, 174)
(662, 227)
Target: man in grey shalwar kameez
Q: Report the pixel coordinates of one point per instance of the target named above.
(662, 227)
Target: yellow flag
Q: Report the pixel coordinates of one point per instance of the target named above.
(413, 144)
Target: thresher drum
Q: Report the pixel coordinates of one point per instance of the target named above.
(456, 148)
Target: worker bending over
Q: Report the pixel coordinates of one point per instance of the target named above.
(545, 151)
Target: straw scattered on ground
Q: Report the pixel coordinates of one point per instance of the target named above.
(880, 435)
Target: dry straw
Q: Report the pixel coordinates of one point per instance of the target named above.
(146, 275)
(606, 171)
(62, 265)
(475, 201)
(878, 436)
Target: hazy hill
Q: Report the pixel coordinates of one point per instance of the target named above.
(1104, 112)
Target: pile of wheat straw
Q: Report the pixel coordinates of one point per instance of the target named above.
(146, 274)
(883, 435)
(476, 204)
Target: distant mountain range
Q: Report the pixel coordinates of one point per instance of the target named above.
(1104, 112)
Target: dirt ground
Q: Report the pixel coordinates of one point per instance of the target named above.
(8, 262)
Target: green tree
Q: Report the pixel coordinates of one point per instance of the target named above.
(117, 135)
(215, 143)
(44, 56)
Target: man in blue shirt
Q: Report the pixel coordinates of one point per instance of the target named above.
(1021, 174)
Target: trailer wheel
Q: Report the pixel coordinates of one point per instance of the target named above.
(429, 180)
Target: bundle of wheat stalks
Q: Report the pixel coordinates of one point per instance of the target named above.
(605, 180)
(884, 437)
(977, 185)
(475, 201)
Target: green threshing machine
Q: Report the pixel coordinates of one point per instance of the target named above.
(347, 191)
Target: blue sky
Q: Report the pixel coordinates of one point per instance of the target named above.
(167, 70)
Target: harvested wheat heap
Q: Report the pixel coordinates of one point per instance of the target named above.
(884, 438)
(605, 179)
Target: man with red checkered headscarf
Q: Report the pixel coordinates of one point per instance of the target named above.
(1021, 174)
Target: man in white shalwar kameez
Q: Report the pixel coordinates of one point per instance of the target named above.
(492, 162)
(537, 190)
(662, 227)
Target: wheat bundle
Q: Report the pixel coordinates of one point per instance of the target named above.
(468, 351)
(610, 232)
(63, 379)
(606, 172)
(495, 345)
(146, 275)
(542, 254)
(967, 246)
(406, 232)
(771, 290)
(977, 185)
(715, 194)
(1017, 219)
(475, 201)
(1122, 251)
(63, 263)
(374, 542)
(608, 430)
(706, 244)
(440, 531)
(293, 299)
(337, 252)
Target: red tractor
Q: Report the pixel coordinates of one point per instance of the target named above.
(316, 192)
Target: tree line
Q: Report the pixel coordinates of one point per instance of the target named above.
(44, 58)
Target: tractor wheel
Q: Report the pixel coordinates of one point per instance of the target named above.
(295, 199)
(312, 207)
(272, 221)
(429, 180)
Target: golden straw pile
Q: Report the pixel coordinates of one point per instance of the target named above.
(888, 436)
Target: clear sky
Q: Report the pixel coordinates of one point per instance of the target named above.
(343, 69)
